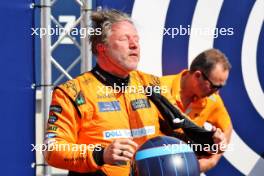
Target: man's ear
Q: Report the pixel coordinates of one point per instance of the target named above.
(197, 73)
(100, 48)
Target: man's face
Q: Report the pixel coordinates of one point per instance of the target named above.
(122, 47)
(209, 84)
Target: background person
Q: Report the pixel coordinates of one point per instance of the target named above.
(195, 92)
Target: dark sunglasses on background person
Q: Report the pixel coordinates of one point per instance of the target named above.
(212, 85)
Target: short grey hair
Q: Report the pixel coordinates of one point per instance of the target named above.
(103, 20)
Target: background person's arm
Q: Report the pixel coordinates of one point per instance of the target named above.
(209, 162)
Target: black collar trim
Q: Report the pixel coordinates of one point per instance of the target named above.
(109, 79)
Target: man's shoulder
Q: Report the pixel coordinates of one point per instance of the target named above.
(69, 87)
(73, 86)
(146, 78)
(167, 78)
(141, 73)
(215, 99)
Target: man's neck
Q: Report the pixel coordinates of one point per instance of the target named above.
(108, 78)
(122, 75)
(113, 69)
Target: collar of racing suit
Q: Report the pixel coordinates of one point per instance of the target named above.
(109, 79)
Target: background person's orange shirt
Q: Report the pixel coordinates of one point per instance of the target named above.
(209, 109)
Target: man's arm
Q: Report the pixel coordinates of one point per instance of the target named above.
(62, 136)
(62, 141)
(208, 162)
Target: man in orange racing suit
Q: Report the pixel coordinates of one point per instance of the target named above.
(97, 110)
(195, 92)
(98, 120)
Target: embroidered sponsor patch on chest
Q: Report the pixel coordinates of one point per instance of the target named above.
(109, 106)
(127, 133)
(140, 104)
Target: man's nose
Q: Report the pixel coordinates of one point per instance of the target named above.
(133, 44)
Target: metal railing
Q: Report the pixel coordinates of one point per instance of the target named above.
(47, 48)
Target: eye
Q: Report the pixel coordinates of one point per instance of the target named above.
(123, 38)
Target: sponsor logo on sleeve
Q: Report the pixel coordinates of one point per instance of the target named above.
(50, 135)
(71, 87)
(80, 100)
(56, 108)
(52, 128)
(52, 119)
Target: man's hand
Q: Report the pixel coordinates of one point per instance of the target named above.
(119, 151)
(220, 139)
(208, 162)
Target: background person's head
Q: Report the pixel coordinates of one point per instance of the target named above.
(209, 70)
(117, 45)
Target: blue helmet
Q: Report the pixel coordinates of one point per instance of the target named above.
(165, 156)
